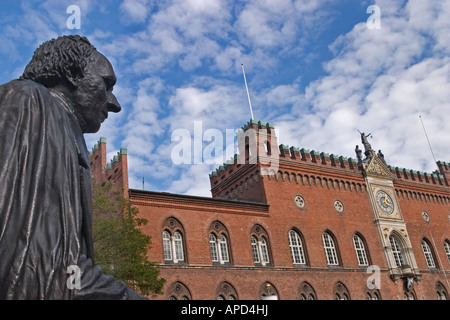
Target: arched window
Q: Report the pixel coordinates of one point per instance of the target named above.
(360, 250)
(218, 243)
(441, 292)
(213, 247)
(296, 246)
(307, 292)
(447, 248)
(397, 251)
(260, 245)
(267, 291)
(428, 253)
(341, 292)
(255, 249)
(178, 291)
(167, 245)
(173, 241)
(223, 248)
(226, 292)
(330, 249)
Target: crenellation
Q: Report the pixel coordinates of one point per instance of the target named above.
(315, 156)
(116, 170)
(325, 157)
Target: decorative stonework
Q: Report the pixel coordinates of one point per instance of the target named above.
(376, 167)
(338, 206)
(299, 202)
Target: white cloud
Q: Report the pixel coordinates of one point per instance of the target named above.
(380, 81)
(134, 11)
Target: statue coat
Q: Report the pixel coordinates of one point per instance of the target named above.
(46, 200)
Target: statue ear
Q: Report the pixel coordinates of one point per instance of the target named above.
(72, 76)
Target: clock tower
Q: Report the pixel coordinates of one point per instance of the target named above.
(388, 217)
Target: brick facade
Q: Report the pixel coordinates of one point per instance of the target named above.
(312, 193)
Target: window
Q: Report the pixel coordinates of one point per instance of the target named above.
(307, 292)
(173, 241)
(372, 296)
(296, 246)
(260, 246)
(178, 241)
(428, 254)
(396, 251)
(223, 248)
(167, 246)
(340, 292)
(264, 251)
(226, 292)
(441, 292)
(267, 291)
(178, 291)
(218, 243)
(360, 250)
(213, 247)
(447, 248)
(255, 249)
(330, 249)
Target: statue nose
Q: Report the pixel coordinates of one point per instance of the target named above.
(112, 104)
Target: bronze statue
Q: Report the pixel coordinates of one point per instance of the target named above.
(45, 191)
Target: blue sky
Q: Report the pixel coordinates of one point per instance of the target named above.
(314, 70)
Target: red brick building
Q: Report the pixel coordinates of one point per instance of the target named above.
(291, 223)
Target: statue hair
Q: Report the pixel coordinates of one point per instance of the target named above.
(55, 59)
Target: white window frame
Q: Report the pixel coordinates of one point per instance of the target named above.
(264, 251)
(255, 250)
(167, 245)
(296, 246)
(330, 249)
(177, 242)
(447, 249)
(428, 254)
(360, 250)
(222, 245)
(260, 250)
(397, 251)
(219, 248)
(213, 247)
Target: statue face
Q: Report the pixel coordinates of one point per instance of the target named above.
(93, 97)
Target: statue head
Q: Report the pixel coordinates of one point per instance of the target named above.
(73, 67)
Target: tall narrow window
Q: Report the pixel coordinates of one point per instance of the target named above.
(167, 246)
(447, 248)
(428, 254)
(360, 250)
(260, 245)
(396, 251)
(223, 248)
(219, 244)
(330, 249)
(264, 250)
(178, 243)
(173, 241)
(255, 249)
(296, 246)
(213, 247)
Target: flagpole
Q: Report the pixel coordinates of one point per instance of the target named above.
(246, 88)
(429, 144)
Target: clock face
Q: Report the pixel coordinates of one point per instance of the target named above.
(384, 202)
